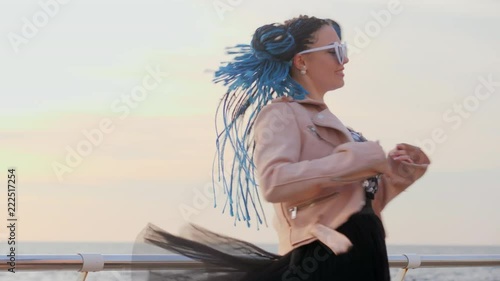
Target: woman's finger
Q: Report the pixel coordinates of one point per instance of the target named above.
(400, 146)
(403, 158)
(397, 152)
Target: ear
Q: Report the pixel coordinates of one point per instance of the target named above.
(299, 62)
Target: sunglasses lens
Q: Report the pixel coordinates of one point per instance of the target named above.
(340, 54)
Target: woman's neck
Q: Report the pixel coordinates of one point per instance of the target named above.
(313, 92)
(315, 96)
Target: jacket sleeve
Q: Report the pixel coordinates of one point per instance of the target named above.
(400, 176)
(283, 177)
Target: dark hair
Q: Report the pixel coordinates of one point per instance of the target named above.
(283, 41)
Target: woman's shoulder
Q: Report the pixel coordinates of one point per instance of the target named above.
(278, 109)
(279, 103)
(286, 108)
(282, 101)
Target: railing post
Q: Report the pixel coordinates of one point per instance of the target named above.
(414, 261)
(91, 262)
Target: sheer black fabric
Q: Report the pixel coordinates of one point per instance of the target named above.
(226, 258)
(223, 257)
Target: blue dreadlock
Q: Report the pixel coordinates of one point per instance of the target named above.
(259, 73)
(254, 78)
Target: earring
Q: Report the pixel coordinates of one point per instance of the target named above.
(303, 71)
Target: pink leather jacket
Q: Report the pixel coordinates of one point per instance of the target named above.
(309, 166)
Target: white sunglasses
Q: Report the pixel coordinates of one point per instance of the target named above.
(340, 51)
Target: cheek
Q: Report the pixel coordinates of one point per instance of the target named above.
(329, 64)
(328, 68)
(325, 70)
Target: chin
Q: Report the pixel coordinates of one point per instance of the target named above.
(338, 85)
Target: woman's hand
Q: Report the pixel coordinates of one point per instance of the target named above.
(400, 154)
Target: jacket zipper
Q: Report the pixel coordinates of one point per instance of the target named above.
(293, 210)
(315, 132)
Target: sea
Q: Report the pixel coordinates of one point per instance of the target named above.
(420, 274)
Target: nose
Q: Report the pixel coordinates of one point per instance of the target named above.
(346, 60)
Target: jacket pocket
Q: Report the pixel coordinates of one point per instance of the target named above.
(293, 210)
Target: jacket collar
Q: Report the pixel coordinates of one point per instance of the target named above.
(308, 100)
(324, 118)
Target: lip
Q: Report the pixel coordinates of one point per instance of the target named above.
(340, 72)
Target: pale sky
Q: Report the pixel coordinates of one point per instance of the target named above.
(422, 72)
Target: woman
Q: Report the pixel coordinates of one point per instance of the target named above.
(327, 183)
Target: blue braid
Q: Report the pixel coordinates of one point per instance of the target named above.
(254, 78)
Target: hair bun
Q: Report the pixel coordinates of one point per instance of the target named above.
(273, 41)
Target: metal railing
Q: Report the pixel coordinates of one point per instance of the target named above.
(86, 263)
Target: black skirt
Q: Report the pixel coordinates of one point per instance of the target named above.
(226, 258)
